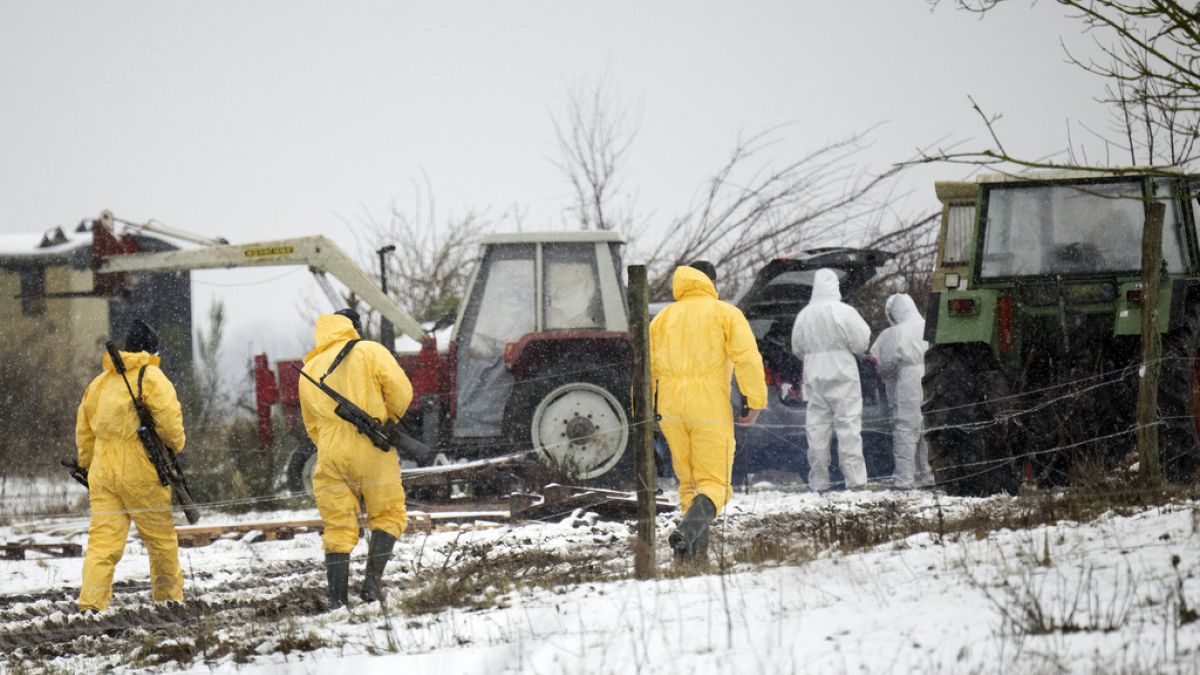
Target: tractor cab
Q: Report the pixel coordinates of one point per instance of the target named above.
(541, 349)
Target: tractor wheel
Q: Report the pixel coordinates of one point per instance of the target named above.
(968, 449)
(300, 468)
(1179, 399)
(574, 415)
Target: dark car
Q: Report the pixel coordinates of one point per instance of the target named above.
(780, 290)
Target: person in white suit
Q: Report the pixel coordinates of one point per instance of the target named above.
(900, 351)
(827, 335)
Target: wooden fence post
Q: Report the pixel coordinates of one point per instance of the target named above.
(1149, 469)
(642, 422)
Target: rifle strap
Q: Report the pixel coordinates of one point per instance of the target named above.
(141, 374)
(337, 361)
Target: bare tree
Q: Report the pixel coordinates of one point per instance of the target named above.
(429, 269)
(911, 270)
(1150, 58)
(748, 212)
(751, 211)
(595, 134)
(209, 404)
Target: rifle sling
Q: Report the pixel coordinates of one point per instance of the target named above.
(337, 361)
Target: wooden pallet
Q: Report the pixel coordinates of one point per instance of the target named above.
(559, 501)
(16, 550)
(418, 521)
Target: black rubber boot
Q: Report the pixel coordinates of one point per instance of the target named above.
(689, 541)
(337, 571)
(378, 555)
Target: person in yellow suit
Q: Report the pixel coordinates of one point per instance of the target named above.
(697, 344)
(122, 483)
(349, 467)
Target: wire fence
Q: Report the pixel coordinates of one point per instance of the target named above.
(618, 369)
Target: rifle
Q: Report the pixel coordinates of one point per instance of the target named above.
(383, 435)
(77, 472)
(164, 461)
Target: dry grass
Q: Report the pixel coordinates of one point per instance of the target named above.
(794, 538)
(477, 575)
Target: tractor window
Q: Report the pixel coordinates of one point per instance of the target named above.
(1173, 235)
(959, 224)
(505, 309)
(1066, 229)
(571, 291)
(500, 311)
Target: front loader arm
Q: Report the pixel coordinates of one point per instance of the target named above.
(317, 252)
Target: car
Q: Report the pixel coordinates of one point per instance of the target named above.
(780, 290)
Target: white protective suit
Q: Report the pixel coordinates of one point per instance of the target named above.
(900, 351)
(827, 334)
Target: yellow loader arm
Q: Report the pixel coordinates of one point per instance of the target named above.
(317, 252)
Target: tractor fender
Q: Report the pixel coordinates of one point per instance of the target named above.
(979, 325)
(536, 350)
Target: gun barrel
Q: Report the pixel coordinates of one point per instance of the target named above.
(383, 435)
(77, 472)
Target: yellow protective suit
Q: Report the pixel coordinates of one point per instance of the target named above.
(349, 467)
(122, 482)
(696, 344)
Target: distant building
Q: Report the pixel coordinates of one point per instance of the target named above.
(48, 305)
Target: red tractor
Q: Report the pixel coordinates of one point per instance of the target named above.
(536, 365)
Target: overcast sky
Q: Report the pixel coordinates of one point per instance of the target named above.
(261, 120)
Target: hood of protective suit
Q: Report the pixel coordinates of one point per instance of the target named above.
(900, 309)
(690, 282)
(331, 328)
(133, 362)
(825, 286)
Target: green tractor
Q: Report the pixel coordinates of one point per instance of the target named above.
(1034, 324)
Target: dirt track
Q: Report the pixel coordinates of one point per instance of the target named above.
(47, 624)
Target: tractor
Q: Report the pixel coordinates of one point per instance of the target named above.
(1034, 324)
(536, 367)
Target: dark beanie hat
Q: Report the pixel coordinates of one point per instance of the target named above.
(709, 269)
(141, 338)
(353, 316)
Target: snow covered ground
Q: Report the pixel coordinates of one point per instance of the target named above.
(807, 588)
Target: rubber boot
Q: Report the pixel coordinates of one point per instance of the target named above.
(337, 571)
(689, 541)
(378, 554)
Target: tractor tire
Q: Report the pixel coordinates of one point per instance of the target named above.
(574, 415)
(1179, 399)
(301, 464)
(968, 448)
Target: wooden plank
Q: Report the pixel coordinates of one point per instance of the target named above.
(560, 500)
(17, 550)
(418, 521)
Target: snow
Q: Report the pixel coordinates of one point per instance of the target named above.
(27, 243)
(406, 345)
(1109, 592)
